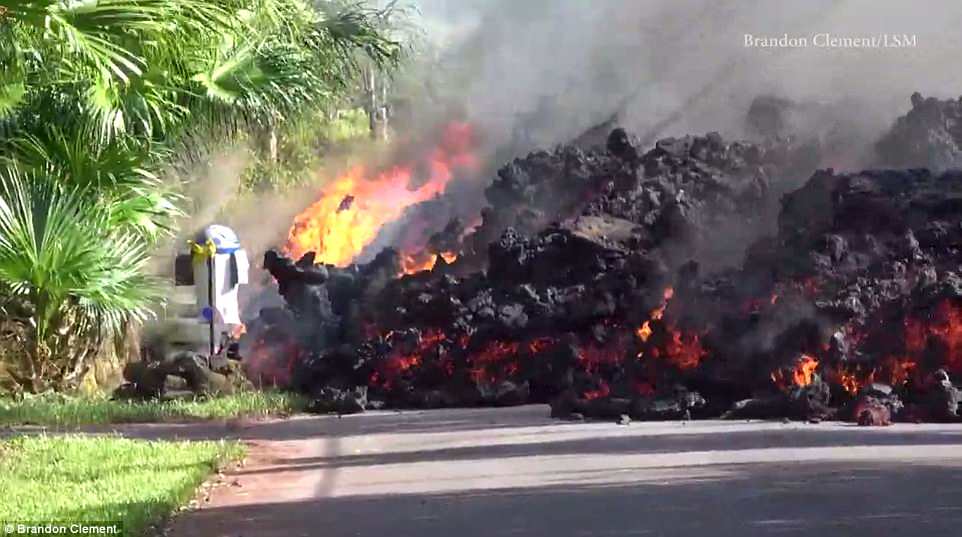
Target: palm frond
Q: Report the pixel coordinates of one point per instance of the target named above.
(59, 246)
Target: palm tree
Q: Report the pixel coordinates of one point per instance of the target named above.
(71, 277)
(96, 98)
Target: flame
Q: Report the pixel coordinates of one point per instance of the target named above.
(659, 312)
(682, 349)
(805, 370)
(852, 381)
(412, 263)
(353, 207)
(644, 331)
(238, 331)
(803, 374)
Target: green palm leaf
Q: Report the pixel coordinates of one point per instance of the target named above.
(59, 251)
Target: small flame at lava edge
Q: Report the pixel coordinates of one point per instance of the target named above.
(338, 231)
(644, 332)
(802, 375)
(411, 263)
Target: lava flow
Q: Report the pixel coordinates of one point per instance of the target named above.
(353, 208)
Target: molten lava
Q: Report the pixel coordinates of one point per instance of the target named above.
(684, 350)
(397, 364)
(897, 371)
(940, 332)
(353, 207)
(497, 360)
(270, 359)
(602, 391)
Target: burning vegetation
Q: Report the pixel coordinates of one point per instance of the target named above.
(592, 282)
(356, 205)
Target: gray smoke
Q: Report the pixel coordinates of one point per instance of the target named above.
(539, 72)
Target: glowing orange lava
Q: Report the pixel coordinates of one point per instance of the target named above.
(684, 350)
(270, 360)
(498, 355)
(399, 363)
(602, 391)
(353, 207)
(538, 345)
(898, 370)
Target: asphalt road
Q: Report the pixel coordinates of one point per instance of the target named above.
(515, 473)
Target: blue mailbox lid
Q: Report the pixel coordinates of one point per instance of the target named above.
(223, 237)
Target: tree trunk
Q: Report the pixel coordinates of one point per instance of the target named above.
(272, 144)
(372, 103)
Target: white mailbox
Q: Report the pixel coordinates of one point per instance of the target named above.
(220, 266)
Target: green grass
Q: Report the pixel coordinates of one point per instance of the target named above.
(103, 479)
(60, 411)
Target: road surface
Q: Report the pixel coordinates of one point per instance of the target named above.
(516, 473)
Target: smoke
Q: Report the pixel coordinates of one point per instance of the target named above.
(212, 188)
(539, 72)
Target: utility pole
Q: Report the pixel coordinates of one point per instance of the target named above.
(377, 111)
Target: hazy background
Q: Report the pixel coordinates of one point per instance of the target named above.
(679, 66)
(531, 74)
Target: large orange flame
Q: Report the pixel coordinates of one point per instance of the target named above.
(353, 208)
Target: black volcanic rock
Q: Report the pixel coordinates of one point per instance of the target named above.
(928, 136)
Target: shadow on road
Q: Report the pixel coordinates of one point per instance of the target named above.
(749, 500)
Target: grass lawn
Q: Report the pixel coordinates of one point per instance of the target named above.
(103, 479)
(63, 411)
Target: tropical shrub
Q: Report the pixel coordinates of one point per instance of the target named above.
(99, 101)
